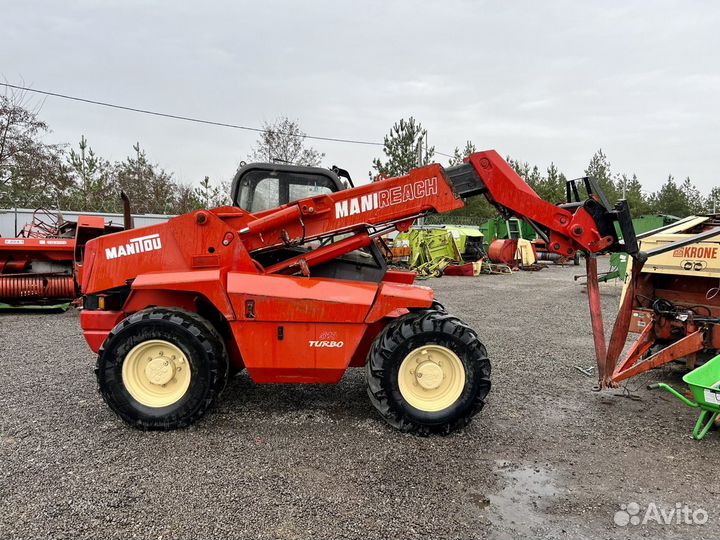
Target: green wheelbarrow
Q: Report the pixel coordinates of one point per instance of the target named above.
(704, 383)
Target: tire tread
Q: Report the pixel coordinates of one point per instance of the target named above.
(211, 342)
(380, 359)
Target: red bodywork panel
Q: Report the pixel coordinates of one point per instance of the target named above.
(306, 330)
(96, 326)
(300, 330)
(295, 299)
(189, 243)
(48, 249)
(399, 276)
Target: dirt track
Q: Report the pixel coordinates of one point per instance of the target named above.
(546, 458)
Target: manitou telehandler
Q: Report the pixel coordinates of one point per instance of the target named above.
(290, 284)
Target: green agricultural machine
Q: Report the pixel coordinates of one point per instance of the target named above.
(506, 229)
(429, 249)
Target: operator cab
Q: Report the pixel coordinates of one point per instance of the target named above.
(262, 186)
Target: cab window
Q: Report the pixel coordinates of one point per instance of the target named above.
(263, 190)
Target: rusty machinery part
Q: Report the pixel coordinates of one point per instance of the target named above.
(611, 370)
(555, 258)
(32, 287)
(672, 332)
(503, 252)
(162, 369)
(671, 304)
(14, 266)
(43, 224)
(542, 253)
(428, 373)
(37, 267)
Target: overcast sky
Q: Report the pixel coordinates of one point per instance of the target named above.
(540, 81)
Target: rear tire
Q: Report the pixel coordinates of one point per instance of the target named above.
(162, 369)
(452, 360)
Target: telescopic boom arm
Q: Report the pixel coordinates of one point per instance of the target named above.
(586, 225)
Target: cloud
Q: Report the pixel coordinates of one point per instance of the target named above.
(541, 81)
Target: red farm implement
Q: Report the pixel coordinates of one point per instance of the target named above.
(37, 266)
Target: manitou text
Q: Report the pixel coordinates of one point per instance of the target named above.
(134, 247)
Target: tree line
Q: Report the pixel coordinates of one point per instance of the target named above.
(673, 198)
(35, 174)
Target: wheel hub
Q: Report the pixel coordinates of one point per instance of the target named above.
(160, 370)
(156, 373)
(429, 375)
(431, 378)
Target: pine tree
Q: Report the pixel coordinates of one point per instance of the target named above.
(550, 187)
(458, 156)
(693, 197)
(599, 168)
(523, 169)
(185, 199)
(401, 149)
(151, 189)
(555, 183)
(712, 201)
(207, 193)
(637, 201)
(477, 208)
(94, 189)
(670, 199)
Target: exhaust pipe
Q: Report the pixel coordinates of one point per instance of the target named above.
(128, 222)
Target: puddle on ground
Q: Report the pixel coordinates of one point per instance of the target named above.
(518, 510)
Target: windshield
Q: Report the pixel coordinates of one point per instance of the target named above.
(263, 190)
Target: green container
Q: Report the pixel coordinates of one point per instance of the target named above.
(504, 229)
(642, 224)
(650, 222)
(704, 383)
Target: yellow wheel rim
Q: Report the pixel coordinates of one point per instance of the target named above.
(431, 378)
(156, 373)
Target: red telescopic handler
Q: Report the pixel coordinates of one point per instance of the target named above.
(290, 284)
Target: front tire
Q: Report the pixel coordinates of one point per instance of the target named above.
(428, 373)
(162, 369)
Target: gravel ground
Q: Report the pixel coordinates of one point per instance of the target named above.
(546, 458)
